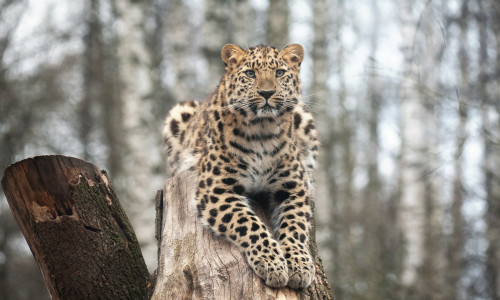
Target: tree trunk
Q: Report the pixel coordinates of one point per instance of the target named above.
(195, 264)
(320, 103)
(490, 111)
(93, 76)
(414, 114)
(277, 24)
(215, 32)
(242, 14)
(180, 40)
(76, 229)
(455, 250)
(87, 249)
(140, 133)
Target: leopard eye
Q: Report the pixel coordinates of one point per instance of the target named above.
(280, 73)
(250, 73)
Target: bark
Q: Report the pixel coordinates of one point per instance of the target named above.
(76, 229)
(87, 249)
(195, 264)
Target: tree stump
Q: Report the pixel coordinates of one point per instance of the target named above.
(76, 229)
(196, 264)
(87, 249)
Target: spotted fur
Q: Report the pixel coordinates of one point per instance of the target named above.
(253, 140)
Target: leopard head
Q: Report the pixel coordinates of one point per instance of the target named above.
(262, 81)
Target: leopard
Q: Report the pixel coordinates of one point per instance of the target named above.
(251, 142)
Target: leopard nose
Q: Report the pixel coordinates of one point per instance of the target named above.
(267, 94)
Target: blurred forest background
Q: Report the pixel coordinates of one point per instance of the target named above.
(406, 95)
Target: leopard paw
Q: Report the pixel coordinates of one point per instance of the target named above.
(271, 268)
(301, 271)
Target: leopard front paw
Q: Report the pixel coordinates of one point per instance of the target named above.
(301, 271)
(271, 268)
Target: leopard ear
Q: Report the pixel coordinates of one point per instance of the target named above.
(230, 53)
(293, 53)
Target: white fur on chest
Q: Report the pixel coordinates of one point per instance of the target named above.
(262, 162)
(260, 172)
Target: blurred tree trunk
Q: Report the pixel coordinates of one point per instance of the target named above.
(277, 24)
(142, 157)
(455, 251)
(242, 14)
(489, 93)
(225, 22)
(375, 219)
(319, 101)
(412, 212)
(431, 272)
(93, 76)
(158, 40)
(372, 191)
(216, 33)
(341, 155)
(112, 111)
(16, 119)
(179, 41)
(13, 110)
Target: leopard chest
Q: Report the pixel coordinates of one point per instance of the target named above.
(257, 150)
(260, 167)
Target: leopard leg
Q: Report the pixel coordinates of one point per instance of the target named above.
(291, 221)
(228, 215)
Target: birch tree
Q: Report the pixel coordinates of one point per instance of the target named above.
(140, 133)
(374, 215)
(455, 255)
(420, 212)
(413, 158)
(428, 44)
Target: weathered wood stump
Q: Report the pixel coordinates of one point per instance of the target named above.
(87, 249)
(75, 227)
(195, 264)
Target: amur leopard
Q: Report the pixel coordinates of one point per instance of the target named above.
(253, 140)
